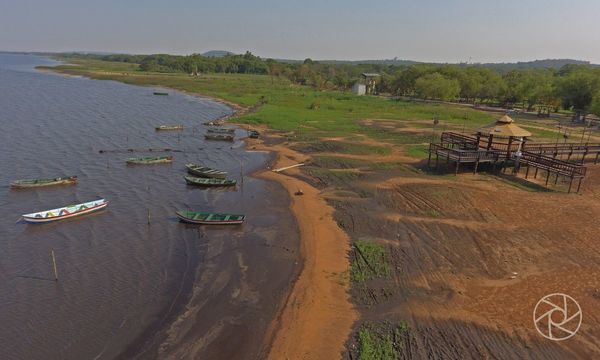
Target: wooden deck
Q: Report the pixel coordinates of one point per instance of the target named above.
(548, 157)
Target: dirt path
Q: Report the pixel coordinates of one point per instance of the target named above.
(317, 317)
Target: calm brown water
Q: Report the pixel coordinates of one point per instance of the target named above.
(128, 289)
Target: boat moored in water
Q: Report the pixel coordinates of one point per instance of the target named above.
(31, 183)
(169, 127)
(161, 93)
(65, 212)
(210, 218)
(205, 172)
(223, 137)
(150, 160)
(202, 181)
(220, 130)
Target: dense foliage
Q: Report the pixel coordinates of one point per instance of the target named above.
(572, 87)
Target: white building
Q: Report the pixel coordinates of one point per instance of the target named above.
(359, 89)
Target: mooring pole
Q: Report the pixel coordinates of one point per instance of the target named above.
(54, 263)
(148, 216)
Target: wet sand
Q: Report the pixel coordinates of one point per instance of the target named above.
(317, 316)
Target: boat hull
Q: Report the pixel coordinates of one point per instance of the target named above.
(188, 220)
(26, 184)
(205, 172)
(199, 182)
(40, 220)
(166, 160)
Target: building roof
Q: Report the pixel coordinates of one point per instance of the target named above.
(504, 127)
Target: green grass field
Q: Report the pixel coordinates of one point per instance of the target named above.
(308, 112)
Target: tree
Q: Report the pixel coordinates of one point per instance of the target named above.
(577, 89)
(437, 86)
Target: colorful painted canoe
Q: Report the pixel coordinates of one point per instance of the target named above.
(150, 160)
(210, 218)
(221, 130)
(224, 137)
(206, 172)
(199, 181)
(63, 180)
(65, 212)
(169, 127)
(161, 93)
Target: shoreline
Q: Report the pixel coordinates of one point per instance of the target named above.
(305, 316)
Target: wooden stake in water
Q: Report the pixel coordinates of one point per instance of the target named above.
(148, 216)
(54, 263)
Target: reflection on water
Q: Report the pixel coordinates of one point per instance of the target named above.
(122, 281)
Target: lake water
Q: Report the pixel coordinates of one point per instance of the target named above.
(129, 289)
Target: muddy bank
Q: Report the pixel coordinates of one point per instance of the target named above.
(467, 258)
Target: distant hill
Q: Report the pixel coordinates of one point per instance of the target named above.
(217, 53)
(547, 64)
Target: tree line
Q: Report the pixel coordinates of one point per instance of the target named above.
(571, 87)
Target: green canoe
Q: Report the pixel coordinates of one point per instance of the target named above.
(150, 160)
(161, 93)
(191, 180)
(169, 127)
(30, 183)
(206, 172)
(225, 137)
(210, 218)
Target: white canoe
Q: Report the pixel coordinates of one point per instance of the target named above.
(65, 212)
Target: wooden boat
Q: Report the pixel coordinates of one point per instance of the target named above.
(65, 212)
(64, 180)
(224, 137)
(221, 130)
(205, 172)
(169, 127)
(253, 134)
(150, 160)
(161, 93)
(210, 218)
(199, 181)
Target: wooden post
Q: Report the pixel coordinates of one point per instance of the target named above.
(570, 184)
(579, 185)
(54, 263)
(547, 177)
(535, 175)
(527, 172)
(556, 180)
(437, 160)
(490, 139)
(148, 216)
(476, 164)
(429, 158)
(457, 164)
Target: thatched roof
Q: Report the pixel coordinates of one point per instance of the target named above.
(504, 127)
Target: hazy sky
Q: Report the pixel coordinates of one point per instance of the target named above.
(425, 30)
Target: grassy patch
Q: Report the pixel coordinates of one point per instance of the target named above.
(342, 148)
(381, 342)
(333, 162)
(370, 261)
(419, 151)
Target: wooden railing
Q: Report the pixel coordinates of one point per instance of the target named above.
(552, 165)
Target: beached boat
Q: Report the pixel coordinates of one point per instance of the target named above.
(253, 134)
(150, 160)
(224, 137)
(30, 183)
(161, 93)
(205, 172)
(199, 181)
(210, 218)
(65, 212)
(169, 127)
(221, 130)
